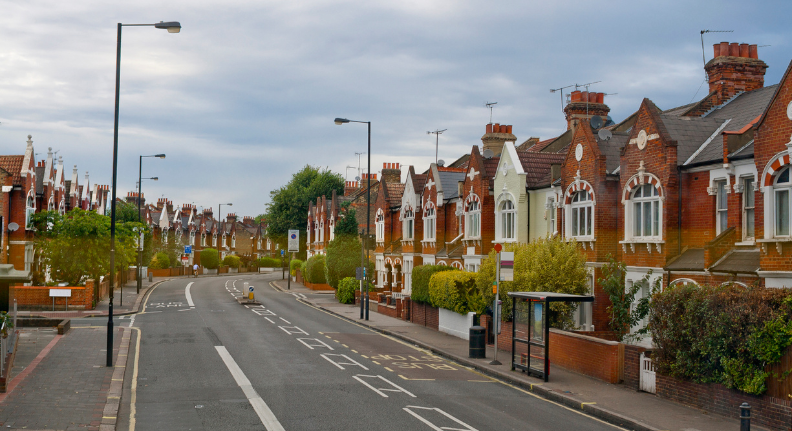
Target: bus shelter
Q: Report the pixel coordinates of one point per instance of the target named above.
(531, 329)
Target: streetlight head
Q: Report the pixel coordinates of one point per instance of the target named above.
(161, 156)
(154, 178)
(230, 205)
(171, 26)
(341, 121)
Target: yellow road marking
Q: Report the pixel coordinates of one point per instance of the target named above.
(405, 378)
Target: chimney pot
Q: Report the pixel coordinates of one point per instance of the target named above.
(716, 50)
(724, 50)
(734, 49)
(600, 97)
(584, 96)
(744, 50)
(508, 129)
(575, 96)
(753, 52)
(489, 128)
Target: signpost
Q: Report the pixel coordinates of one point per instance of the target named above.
(294, 247)
(496, 303)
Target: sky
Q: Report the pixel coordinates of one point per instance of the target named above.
(246, 94)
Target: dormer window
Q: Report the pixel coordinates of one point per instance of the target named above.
(646, 212)
(782, 188)
(473, 218)
(379, 224)
(582, 214)
(408, 227)
(430, 222)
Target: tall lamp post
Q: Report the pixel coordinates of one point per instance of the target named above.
(340, 121)
(172, 27)
(139, 202)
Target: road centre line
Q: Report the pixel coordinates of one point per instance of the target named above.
(270, 320)
(433, 426)
(380, 390)
(287, 322)
(263, 411)
(187, 294)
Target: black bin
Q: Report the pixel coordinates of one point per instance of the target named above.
(478, 342)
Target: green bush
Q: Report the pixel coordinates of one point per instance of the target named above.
(232, 261)
(343, 256)
(315, 269)
(452, 290)
(210, 259)
(160, 261)
(303, 265)
(295, 265)
(346, 290)
(725, 334)
(543, 265)
(269, 262)
(420, 281)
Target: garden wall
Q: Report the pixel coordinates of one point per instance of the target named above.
(37, 298)
(455, 324)
(423, 314)
(591, 356)
(317, 286)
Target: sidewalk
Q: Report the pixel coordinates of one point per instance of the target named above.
(612, 403)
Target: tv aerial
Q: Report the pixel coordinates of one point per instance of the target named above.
(554, 90)
(490, 105)
(437, 134)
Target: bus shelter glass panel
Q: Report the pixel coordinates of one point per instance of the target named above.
(530, 337)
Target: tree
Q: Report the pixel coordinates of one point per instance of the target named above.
(343, 256)
(210, 259)
(347, 223)
(288, 206)
(625, 311)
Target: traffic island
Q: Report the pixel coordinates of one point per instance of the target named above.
(247, 301)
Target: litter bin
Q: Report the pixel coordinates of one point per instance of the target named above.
(478, 342)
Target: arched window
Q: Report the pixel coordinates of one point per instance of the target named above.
(379, 223)
(214, 240)
(782, 188)
(233, 241)
(408, 227)
(51, 204)
(332, 228)
(164, 235)
(582, 214)
(473, 219)
(507, 221)
(203, 240)
(646, 212)
(62, 207)
(430, 222)
(30, 209)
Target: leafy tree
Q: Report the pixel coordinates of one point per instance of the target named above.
(420, 281)
(160, 261)
(288, 206)
(125, 212)
(343, 256)
(347, 224)
(210, 259)
(624, 310)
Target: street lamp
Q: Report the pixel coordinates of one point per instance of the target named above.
(139, 202)
(340, 121)
(172, 27)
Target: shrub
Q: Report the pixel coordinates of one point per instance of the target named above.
(160, 261)
(294, 265)
(232, 261)
(315, 269)
(210, 258)
(626, 313)
(420, 281)
(346, 290)
(452, 289)
(543, 265)
(269, 262)
(303, 265)
(725, 334)
(343, 256)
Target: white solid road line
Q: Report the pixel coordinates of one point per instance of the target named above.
(187, 294)
(262, 410)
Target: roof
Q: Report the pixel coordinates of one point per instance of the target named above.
(691, 260)
(738, 262)
(537, 167)
(552, 296)
(490, 169)
(395, 193)
(13, 164)
(40, 179)
(612, 149)
(539, 146)
(419, 181)
(448, 181)
(690, 133)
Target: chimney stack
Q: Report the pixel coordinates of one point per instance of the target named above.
(496, 136)
(735, 67)
(584, 105)
(231, 217)
(350, 187)
(391, 173)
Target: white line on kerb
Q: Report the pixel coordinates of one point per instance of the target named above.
(262, 410)
(187, 294)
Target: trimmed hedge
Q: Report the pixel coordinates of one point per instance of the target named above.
(160, 261)
(232, 261)
(210, 259)
(343, 256)
(269, 262)
(346, 290)
(455, 291)
(420, 281)
(296, 264)
(315, 269)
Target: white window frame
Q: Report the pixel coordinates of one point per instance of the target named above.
(51, 204)
(192, 238)
(379, 224)
(655, 205)
(430, 222)
(203, 240)
(321, 231)
(551, 216)
(214, 240)
(782, 188)
(332, 228)
(473, 218)
(233, 241)
(506, 220)
(721, 205)
(748, 208)
(165, 236)
(408, 224)
(585, 206)
(30, 209)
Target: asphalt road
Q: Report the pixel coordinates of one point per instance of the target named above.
(208, 363)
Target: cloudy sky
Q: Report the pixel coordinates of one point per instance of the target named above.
(246, 94)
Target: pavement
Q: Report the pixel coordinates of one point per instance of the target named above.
(615, 404)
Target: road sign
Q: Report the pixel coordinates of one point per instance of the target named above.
(498, 248)
(250, 289)
(294, 240)
(282, 252)
(359, 273)
(507, 266)
(185, 258)
(187, 249)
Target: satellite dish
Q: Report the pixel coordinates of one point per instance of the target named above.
(609, 121)
(441, 162)
(488, 154)
(357, 178)
(604, 134)
(12, 227)
(596, 122)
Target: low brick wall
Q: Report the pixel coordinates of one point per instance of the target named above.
(765, 410)
(423, 314)
(632, 366)
(37, 298)
(318, 286)
(591, 356)
(168, 272)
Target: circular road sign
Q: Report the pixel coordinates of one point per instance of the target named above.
(498, 247)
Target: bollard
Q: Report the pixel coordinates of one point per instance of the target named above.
(745, 417)
(151, 277)
(477, 344)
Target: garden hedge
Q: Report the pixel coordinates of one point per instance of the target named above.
(455, 291)
(420, 281)
(210, 259)
(232, 261)
(315, 269)
(269, 262)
